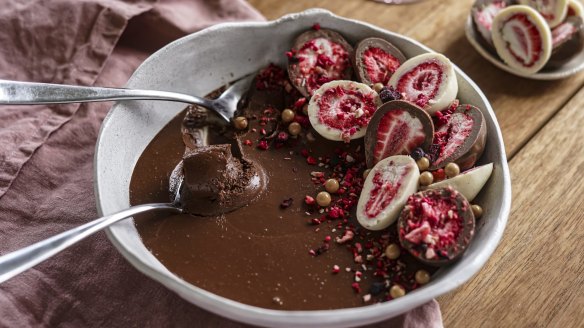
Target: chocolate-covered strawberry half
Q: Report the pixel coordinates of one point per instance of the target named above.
(483, 13)
(428, 80)
(341, 110)
(553, 11)
(397, 128)
(436, 226)
(376, 60)
(317, 57)
(522, 38)
(567, 41)
(386, 190)
(459, 137)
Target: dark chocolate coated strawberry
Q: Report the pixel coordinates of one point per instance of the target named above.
(436, 226)
(318, 57)
(460, 138)
(567, 41)
(376, 60)
(397, 128)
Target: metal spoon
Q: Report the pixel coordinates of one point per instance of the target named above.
(18, 261)
(25, 258)
(30, 93)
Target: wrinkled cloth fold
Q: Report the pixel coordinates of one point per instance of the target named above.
(46, 160)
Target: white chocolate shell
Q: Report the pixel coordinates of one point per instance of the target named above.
(341, 110)
(553, 11)
(468, 183)
(522, 38)
(427, 80)
(575, 8)
(386, 190)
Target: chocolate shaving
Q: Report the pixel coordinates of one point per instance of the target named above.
(286, 203)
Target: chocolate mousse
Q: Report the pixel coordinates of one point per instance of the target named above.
(216, 182)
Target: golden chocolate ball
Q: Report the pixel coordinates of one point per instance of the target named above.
(451, 170)
(323, 199)
(477, 211)
(426, 178)
(366, 173)
(294, 128)
(288, 115)
(397, 291)
(332, 185)
(392, 251)
(422, 277)
(240, 123)
(377, 87)
(423, 163)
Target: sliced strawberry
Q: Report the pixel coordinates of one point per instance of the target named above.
(318, 57)
(376, 60)
(483, 14)
(397, 128)
(380, 65)
(386, 190)
(436, 226)
(341, 110)
(427, 80)
(564, 32)
(568, 41)
(461, 139)
(553, 11)
(419, 234)
(522, 38)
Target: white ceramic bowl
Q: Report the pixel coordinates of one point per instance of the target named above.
(201, 62)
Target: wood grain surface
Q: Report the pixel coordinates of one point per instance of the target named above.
(536, 276)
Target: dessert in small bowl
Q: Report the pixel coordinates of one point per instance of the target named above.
(541, 40)
(199, 64)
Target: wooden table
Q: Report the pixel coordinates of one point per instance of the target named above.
(535, 278)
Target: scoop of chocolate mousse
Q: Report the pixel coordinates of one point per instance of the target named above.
(216, 182)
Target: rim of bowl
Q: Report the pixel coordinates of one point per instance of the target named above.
(344, 317)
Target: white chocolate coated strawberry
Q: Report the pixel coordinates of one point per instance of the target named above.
(553, 11)
(522, 38)
(341, 110)
(428, 80)
(468, 183)
(386, 190)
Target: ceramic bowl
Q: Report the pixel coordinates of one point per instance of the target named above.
(198, 64)
(569, 68)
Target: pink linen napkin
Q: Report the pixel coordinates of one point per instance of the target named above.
(46, 160)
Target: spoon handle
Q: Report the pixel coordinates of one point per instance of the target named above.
(18, 261)
(30, 93)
